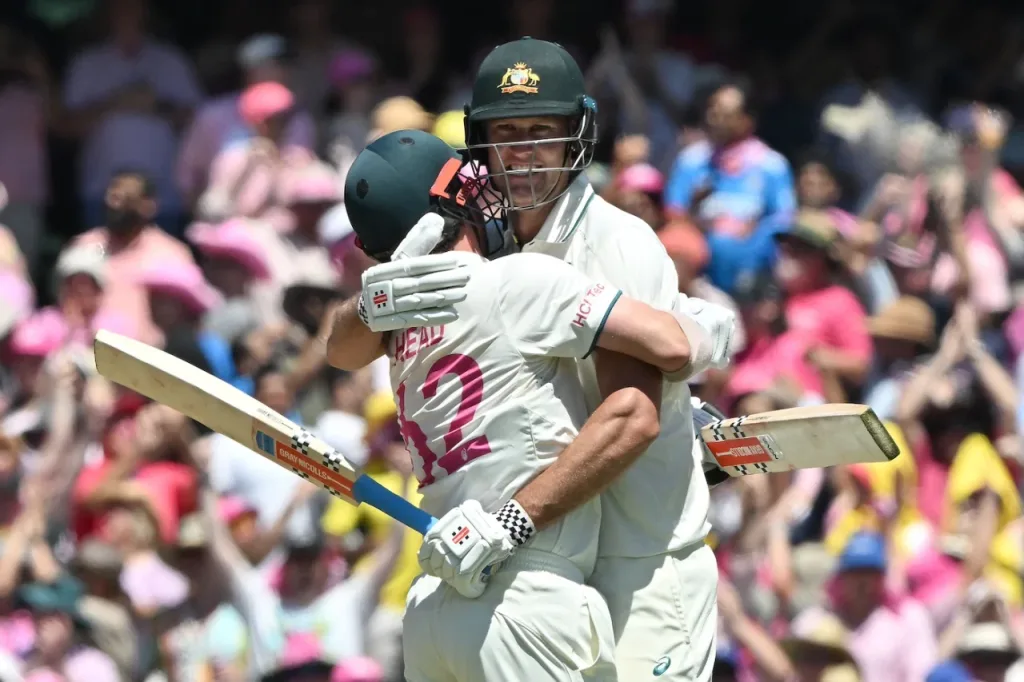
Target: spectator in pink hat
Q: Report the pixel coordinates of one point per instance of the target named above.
(179, 299)
(233, 260)
(360, 669)
(218, 124)
(33, 340)
(245, 177)
(638, 190)
(131, 243)
(302, 659)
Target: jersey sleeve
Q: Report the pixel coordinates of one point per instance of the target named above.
(549, 308)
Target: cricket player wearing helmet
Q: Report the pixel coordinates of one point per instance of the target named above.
(530, 132)
(486, 404)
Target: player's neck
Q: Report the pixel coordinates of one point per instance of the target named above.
(527, 224)
(467, 241)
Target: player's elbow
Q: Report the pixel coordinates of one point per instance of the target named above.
(636, 415)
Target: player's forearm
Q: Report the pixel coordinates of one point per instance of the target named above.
(654, 337)
(618, 432)
(352, 345)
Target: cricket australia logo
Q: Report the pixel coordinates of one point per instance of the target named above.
(520, 78)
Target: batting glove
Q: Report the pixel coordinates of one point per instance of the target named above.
(717, 321)
(416, 289)
(415, 292)
(467, 543)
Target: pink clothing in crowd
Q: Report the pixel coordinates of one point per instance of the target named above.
(151, 584)
(989, 271)
(245, 183)
(211, 131)
(63, 333)
(767, 360)
(932, 477)
(124, 293)
(17, 633)
(895, 644)
(847, 224)
(830, 317)
(23, 165)
(87, 664)
(293, 260)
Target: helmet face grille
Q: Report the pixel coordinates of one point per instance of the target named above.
(544, 188)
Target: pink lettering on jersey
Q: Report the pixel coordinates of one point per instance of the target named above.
(587, 305)
(415, 439)
(472, 378)
(409, 342)
(457, 454)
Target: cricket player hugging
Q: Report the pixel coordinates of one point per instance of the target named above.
(542, 402)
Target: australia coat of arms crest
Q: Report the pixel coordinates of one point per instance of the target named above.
(519, 78)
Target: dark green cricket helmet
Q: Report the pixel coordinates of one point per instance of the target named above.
(527, 78)
(396, 180)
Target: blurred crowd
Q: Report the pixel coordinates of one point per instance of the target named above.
(858, 209)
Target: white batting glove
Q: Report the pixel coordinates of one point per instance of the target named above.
(468, 542)
(718, 322)
(416, 289)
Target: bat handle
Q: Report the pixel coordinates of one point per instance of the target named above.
(374, 494)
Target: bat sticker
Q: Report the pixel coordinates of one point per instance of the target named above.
(264, 443)
(747, 451)
(313, 469)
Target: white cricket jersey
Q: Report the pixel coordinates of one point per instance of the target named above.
(660, 503)
(485, 403)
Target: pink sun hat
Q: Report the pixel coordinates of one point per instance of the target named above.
(299, 649)
(232, 240)
(184, 281)
(641, 177)
(263, 101)
(230, 508)
(361, 669)
(39, 335)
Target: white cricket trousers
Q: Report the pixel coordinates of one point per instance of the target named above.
(664, 611)
(535, 622)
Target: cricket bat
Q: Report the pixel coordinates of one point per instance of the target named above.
(798, 438)
(228, 411)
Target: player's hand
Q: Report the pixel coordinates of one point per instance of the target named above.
(463, 544)
(718, 321)
(417, 288)
(416, 292)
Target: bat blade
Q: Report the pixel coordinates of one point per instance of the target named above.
(799, 438)
(228, 411)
